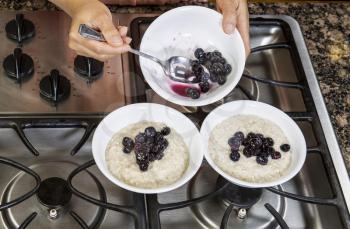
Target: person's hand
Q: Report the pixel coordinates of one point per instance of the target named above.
(96, 15)
(235, 15)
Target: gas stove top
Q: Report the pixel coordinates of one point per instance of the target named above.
(49, 109)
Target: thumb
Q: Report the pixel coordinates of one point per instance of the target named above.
(111, 33)
(229, 20)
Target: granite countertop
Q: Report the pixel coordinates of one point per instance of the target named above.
(326, 29)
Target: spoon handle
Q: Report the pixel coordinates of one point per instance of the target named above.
(89, 33)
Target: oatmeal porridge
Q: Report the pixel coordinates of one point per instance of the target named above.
(242, 164)
(163, 169)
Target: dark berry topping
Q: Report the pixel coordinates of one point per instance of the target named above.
(270, 142)
(221, 80)
(276, 155)
(227, 69)
(198, 53)
(204, 86)
(234, 143)
(262, 160)
(150, 132)
(234, 156)
(285, 147)
(213, 77)
(143, 166)
(127, 149)
(217, 53)
(193, 93)
(270, 151)
(165, 131)
(247, 152)
(239, 135)
(140, 138)
(128, 142)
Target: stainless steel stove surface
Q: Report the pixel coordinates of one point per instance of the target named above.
(49, 179)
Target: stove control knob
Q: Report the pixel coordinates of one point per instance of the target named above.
(54, 87)
(18, 65)
(87, 67)
(20, 29)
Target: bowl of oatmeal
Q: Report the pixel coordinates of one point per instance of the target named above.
(253, 144)
(147, 148)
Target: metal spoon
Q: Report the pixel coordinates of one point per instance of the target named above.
(177, 68)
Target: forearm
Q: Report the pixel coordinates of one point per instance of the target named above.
(70, 6)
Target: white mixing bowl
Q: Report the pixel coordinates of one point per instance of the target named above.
(179, 32)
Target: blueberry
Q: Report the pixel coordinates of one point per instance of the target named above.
(217, 53)
(137, 146)
(128, 142)
(213, 77)
(142, 156)
(150, 131)
(227, 69)
(143, 166)
(165, 131)
(204, 86)
(159, 137)
(155, 149)
(202, 60)
(255, 143)
(245, 142)
(269, 141)
(260, 136)
(205, 77)
(140, 138)
(159, 156)
(221, 80)
(247, 152)
(193, 93)
(285, 147)
(127, 149)
(193, 62)
(239, 135)
(234, 156)
(251, 135)
(257, 152)
(270, 151)
(198, 53)
(215, 59)
(208, 55)
(276, 155)
(218, 68)
(222, 61)
(152, 156)
(262, 160)
(197, 69)
(234, 143)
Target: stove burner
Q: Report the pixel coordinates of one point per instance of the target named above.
(54, 192)
(239, 196)
(18, 65)
(54, 87)
(88, 67)
(20, 29)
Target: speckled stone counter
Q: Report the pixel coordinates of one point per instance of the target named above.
(326, 29)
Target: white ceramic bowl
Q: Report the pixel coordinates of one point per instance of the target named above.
(134, 113)
(179, 32)
(265, 111)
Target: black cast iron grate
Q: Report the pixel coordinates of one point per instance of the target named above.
(146, 208)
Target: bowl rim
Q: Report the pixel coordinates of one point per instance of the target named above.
(178, 183)
(281, 180)
(186, 101)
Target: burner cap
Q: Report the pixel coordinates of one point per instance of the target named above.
(239, 196)
(54, 192)
(54, 87)
(18, 65)
(88, 67)
(20, 29)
